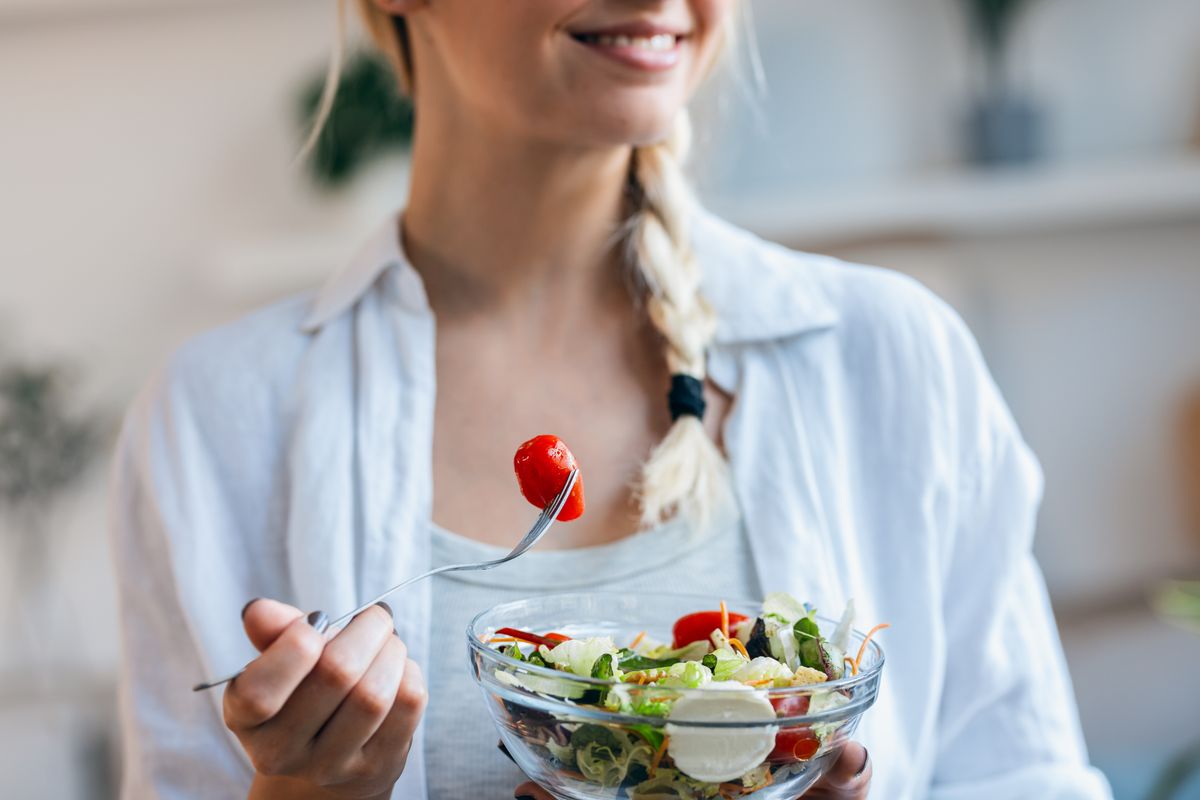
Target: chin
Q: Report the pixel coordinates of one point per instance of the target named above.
(645, 121)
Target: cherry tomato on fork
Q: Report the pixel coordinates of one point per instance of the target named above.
(542, 465)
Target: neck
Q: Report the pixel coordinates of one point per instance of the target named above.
(502, 222)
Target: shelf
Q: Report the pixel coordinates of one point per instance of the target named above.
(977, 203)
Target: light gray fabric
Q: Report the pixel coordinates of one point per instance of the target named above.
(458, 728)
(288, 454)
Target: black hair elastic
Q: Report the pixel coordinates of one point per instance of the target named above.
(686, 396)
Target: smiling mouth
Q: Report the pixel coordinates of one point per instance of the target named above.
(659, 42)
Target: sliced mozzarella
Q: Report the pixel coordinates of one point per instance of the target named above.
(720, 754)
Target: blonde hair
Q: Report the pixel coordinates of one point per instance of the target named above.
(685, 472)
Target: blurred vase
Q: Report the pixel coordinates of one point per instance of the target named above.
(1002, 128)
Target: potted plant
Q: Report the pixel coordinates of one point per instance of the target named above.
(1178, 602)
(45, 450)
(1003, 124)
(369, 119)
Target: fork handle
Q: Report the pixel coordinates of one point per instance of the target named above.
(323, 625)
(326, 626)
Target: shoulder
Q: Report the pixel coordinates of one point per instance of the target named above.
(764, 291)
(895, 353)
(223, 388)
(246, 355)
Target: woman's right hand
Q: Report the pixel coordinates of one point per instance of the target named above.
(324, 719)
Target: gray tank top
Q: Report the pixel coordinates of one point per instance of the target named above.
(460, 738)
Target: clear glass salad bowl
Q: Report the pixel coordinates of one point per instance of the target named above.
(771, 743)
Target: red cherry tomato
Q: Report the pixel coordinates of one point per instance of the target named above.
(542, 465)
(793, 744)
(698, 626)
(797, 744)
(792, 705)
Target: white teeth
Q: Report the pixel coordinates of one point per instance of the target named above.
(659, 41)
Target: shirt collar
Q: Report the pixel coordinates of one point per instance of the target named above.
(759, 290)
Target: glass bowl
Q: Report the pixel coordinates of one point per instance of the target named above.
(771, 743)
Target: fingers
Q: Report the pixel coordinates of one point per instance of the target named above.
(343, 663)
(265, 620)
(853, 766)
(531, 791)
(849, 778)
(396, 732)
(366, 707)
(258, 694)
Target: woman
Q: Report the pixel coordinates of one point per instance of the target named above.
(551, 274)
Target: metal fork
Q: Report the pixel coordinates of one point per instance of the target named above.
(543, 523)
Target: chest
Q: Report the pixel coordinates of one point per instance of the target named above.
(609, 408)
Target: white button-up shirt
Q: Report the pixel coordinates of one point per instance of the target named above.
(288, 455)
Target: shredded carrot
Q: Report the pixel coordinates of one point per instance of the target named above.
(767, 781)
(736, 644)
(863, 648)
(724, 620)
(637, 640)
(498, 639)
(658, 755)
(761, 682)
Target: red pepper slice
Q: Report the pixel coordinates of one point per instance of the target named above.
(550, 639)
(698, 626)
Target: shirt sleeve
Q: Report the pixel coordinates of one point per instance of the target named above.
(1007, 725)
(175, 743)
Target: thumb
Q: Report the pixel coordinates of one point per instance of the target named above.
(264, 620)
(531, 791)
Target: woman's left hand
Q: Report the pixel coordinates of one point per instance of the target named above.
(848, 779)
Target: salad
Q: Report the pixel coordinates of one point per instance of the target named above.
(739, 664)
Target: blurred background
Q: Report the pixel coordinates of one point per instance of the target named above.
(1036, 163)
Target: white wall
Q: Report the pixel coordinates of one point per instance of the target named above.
(144, 160)
(875, 88)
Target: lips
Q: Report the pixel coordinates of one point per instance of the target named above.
(644, 46)
(637, 27)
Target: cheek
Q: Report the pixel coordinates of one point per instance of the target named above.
(502, 53)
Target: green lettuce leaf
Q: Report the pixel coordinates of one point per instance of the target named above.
(687, 674)
(579, 656)
(727, 661)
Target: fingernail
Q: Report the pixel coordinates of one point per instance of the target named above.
(318, 620)
(863, 768)
(246, 607)
(385, 607)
